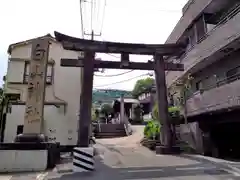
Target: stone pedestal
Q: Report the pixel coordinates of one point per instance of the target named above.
(29, 152)
(23, 157)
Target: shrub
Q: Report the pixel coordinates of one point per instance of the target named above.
(174, 113)
(152, 130)
(94, 116)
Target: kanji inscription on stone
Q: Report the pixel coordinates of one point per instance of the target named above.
(36, 87)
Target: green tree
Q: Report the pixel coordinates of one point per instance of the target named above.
(183, 89)
(141, 85)
(106, 109)
(137, 113)
(174, 113)
(94, 116)
(1, 94)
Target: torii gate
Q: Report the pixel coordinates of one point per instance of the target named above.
(89, 63)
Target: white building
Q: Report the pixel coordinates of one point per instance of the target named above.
(62, 92)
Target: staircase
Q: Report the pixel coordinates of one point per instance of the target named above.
(109, 131)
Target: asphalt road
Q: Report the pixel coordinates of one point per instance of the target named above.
(125, 159)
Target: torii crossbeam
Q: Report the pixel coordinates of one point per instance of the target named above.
(90, 47)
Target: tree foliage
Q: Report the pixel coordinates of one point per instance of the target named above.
(174, 113)
(106, 109)
(152, 130)
(94, 115)
(141, 85)
(137, 113)
(1, 95)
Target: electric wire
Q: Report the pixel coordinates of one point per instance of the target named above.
(92, 15)
(81, 17)
(101, 28)
(113, 75)
(126, 80)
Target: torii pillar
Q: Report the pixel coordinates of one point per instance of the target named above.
(165, 131)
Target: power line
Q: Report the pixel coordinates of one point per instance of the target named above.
(111, 54)
(122, 81)
(113, 75)
(105, 3)
(81, 16)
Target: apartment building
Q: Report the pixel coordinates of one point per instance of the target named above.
(211, 30)
(62, 92)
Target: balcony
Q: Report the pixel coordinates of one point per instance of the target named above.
(190, 12)
(226, 94)
(214, 43)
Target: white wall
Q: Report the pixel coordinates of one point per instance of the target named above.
(216, 40)
(54, 122)
(66, 88)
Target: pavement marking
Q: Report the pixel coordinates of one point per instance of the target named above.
(195, 168)
(5, 177)
(42, 176)
(101, 156)
(145, 170)
(216, 160)
(232, 172)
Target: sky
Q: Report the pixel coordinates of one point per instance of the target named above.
(132, 21)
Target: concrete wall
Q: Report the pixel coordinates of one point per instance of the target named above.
(215, 98)
(216, 71)
(215, 41)
(65, 89)
(192, 134)
(191, 11)
(223, 97)
(56, 126)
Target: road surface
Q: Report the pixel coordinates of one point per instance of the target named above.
(125, 159)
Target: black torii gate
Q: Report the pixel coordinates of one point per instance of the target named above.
(89, 63)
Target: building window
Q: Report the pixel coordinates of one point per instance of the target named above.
(198, 85)
(200, 28)
(49, 73)
(233, 74)
(19, 129)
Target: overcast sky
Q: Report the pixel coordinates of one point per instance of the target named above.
(140, 21)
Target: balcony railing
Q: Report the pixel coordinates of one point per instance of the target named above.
(48, 79)
(219, 83)
(229, 15)
(234, 11)
(223, 94)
